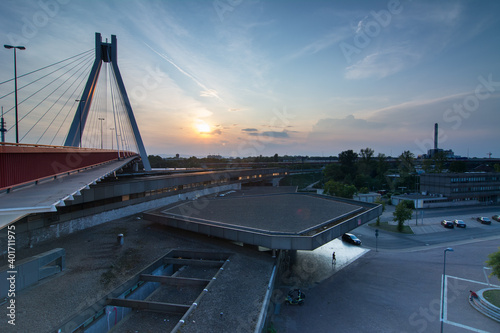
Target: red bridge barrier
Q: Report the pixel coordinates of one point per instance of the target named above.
(24, 163)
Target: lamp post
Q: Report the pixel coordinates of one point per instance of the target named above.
(101, 119)
(442, 290)
(112, 129)
(15, 84)
(80, 115)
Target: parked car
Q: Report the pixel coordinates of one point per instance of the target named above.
(496, 218)
(484, 220)
(447, 224)
(459, 224)
(350, 238)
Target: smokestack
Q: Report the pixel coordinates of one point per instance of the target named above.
(435, 136)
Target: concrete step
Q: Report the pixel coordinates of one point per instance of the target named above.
(485, 308)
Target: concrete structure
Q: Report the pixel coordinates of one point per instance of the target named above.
(48, 194)
(107, 313)
(289, 221)
(469, 188)
(432, 152)
(78, 201)
(367, 197)
(105, 52)
(421, 201)
(29, 271)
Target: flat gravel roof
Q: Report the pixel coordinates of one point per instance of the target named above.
(283, 213)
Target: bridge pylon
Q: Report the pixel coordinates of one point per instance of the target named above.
(104, 52)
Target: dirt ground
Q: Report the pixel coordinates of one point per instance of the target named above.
(96, 264)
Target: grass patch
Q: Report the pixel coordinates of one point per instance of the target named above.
(493, 296)
(302, 181)
(392, 228)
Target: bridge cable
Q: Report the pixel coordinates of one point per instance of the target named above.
(36, 92)
(56, 101)
(42, 77)
(29, 112)
(37, 70)
(71, 96)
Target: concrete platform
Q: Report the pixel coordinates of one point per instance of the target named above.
(288, 221)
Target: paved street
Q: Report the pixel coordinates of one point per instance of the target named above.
(430, 232)
(393, 290)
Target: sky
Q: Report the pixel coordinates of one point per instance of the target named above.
(248, 78)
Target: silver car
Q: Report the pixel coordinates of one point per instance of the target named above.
(459, 224)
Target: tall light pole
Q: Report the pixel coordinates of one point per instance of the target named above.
(442, 290)
(2, 128)
(80, 115)
(101, 119)
(112, 129)
(15, 84)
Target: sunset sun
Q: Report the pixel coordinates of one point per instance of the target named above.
(202, 127)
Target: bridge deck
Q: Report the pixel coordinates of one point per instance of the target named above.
(45, 196)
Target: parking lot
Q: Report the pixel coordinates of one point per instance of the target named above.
(433, 224)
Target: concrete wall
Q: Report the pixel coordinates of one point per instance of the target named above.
(38, 231)
(369, 197)
(31, 270)
(114, 314)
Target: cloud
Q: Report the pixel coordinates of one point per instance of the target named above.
(249, 130)
(206, 92)
(348, 123)
(217, 131)
(382, 64)
(271, 134)
(317, 46)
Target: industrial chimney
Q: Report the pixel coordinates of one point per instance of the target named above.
(435, 136)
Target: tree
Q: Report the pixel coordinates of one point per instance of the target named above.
(333, 172)
(407, 162)
(458, 166)
(348, 168)
(494, 263)
(427, 165)
(407, 169)
(401, 214)
(439, 159)
(339, 189)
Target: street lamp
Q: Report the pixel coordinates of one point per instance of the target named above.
(80, 115)
(112, 129)
(15, 83)
(442, 291)
(101, 119)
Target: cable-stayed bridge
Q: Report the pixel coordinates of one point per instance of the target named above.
(65, 119)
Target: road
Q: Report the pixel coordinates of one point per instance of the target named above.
(439, 235)
(398, 288)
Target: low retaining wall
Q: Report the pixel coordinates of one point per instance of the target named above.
(29, 271)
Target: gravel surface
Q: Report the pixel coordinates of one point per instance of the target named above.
(95, 265)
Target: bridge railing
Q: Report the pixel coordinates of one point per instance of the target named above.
(26, 163)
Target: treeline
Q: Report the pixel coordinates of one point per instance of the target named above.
(299, 162)
(358, 173)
